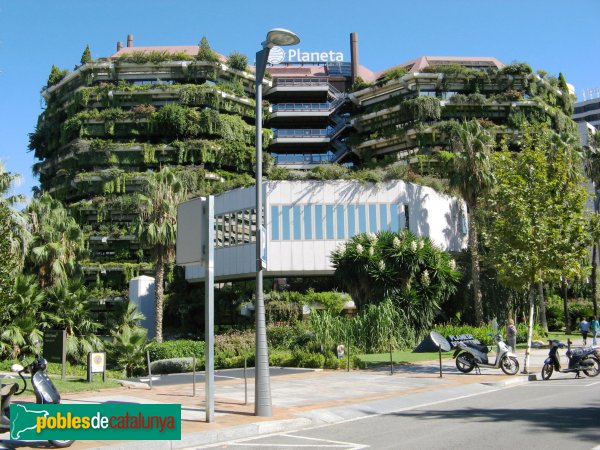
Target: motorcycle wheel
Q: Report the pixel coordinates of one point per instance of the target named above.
(61, 444)
(547, 371)
(509, 365)
(596, 370)
(465, 362)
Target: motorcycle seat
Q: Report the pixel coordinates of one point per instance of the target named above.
(580, 351)
(8, 389)
(481, 347)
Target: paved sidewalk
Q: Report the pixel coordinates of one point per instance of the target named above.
(300, 400)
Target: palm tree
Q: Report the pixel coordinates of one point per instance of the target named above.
(19, 235)
(469, 172)
(157, 228)
(57, 241)
(129, 347)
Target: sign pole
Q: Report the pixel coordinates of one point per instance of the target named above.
(209, 308)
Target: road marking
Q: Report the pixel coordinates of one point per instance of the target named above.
(225, 376)
(319, 443)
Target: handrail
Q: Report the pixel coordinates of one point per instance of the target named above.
(302, 107)
(303, 158)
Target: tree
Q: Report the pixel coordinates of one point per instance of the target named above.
(538, 228)
(57, 241)
(56, 75)
(205, 53)
(157, 228)
(469, 172)
(410, 270)
(238, 61)
(8, 263)
(86, 57)
(17, 231)
(592, 170)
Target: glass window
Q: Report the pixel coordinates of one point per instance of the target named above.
(248, 225)
(219, 231)
(362, 219)
(373, 219)
(383, 219)
(297, 213)
(275, 223)
(253, 225)
(285, 222)
(307, 221)
(394, 218)
(329, 221)
(351, 221)
(339, 212)
(318, 221)
(406, 217)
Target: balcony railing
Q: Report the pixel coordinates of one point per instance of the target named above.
(303, 158)
(283, 107)
(303, 133)
(308, 81)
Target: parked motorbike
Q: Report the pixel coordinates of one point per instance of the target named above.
(584, 360)
(44, 389)
(471, 356)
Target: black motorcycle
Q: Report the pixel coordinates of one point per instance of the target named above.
(580, 360)
(44, 389)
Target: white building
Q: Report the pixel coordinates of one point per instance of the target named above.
(307, 220)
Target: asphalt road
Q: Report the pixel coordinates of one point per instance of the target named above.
(562, 413)
(220, 375)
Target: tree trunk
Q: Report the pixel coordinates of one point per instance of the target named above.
(159, 291)
(595, 278)
(542, 304)
(566, 307)
(473, 249)
(529, 329)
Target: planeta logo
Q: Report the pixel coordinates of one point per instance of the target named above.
(276, 55)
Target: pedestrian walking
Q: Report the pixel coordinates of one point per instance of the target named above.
(511, 335)
(595, 329)
(584, 327)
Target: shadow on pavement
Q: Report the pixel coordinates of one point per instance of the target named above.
(582, 420)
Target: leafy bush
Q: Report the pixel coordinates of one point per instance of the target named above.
(281, 358)
(237, 60)
(331, 301)
(578, 309)
(517, 68)
(176, 349)
(56, 75)
(304, 358)
(173, 365)
(205, 53)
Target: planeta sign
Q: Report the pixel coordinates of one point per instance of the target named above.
(278, 55)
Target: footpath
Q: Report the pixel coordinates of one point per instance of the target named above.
(300, 400)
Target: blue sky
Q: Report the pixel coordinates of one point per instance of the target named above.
(551, 35)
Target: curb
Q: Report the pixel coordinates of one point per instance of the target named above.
(511, 381)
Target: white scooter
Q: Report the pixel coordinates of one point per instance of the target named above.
(473, 356)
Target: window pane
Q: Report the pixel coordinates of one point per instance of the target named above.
(275, 223)
(329, 221)
(307, 221)
(394, 218)
(373, 218)
(339, 212)
(351, 221)
(383, 219)
(285, 222)
(297, 223)
(362, 219)
(318, 221)
(406, 217)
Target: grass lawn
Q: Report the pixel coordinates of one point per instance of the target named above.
(400, 357)
(73, 384)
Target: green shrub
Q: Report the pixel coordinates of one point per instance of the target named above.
(176, 349)
(174, 365)
(578, 309)
(281, 358)
(304, 358)
(333, 362)
(237, 61)
(284, 337)
(555, 315)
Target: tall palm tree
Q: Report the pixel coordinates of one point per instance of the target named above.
(157, 228)
(19, 236)
(57, 241)
(469, 172)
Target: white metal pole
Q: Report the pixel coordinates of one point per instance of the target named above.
(209, 310)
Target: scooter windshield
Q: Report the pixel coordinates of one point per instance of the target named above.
(45, 388)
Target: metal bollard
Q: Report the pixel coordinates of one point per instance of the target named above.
(194, 376)
(149, 369)
(245, 382)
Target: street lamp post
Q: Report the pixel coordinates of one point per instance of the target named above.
(262, 383)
